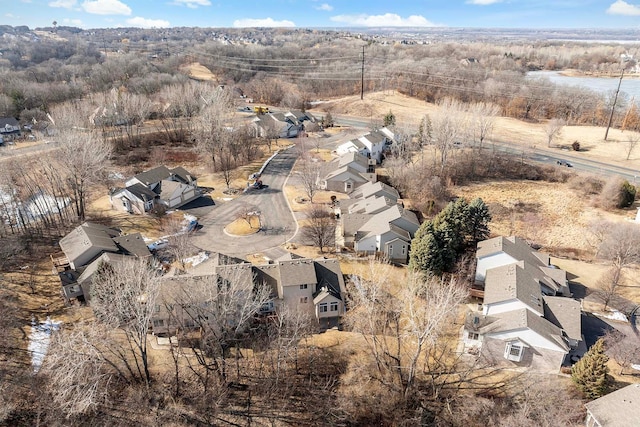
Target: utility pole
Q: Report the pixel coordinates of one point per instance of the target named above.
(613, 107)
(362, 77)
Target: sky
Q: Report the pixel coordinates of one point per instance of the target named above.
(611, 14)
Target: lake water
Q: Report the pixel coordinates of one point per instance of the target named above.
(630, 86)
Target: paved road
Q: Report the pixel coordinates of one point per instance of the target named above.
(540, 155)
(278, 224)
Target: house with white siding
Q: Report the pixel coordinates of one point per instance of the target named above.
(170, 188)
(525, 319)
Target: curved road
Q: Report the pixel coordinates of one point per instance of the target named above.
(278, 223)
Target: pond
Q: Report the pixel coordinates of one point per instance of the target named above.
(631, 86)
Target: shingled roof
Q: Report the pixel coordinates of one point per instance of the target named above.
(510, 282)
(620, 408)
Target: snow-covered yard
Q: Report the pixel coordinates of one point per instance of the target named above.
(39, 340)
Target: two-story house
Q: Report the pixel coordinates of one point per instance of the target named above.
(170, 188)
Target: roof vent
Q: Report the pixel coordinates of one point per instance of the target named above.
(476, 320)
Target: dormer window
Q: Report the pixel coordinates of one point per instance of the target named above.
(514, 351)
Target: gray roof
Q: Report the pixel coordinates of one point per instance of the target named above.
(92, 267)
(375, 137)
(329, 275)
(351, 223)
(565, 313)
(353, 174)
(132, 244)
(375, 188)
(352, 157)
(154, 175)
(141, 192)
(514, 247)
(160, 173)
(371, 205)
(516, 319)
(509, 282)
(86, 236)
(183, 174)
(620, 408)
(11, 121)
(297, 272)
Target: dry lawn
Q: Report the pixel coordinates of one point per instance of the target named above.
(409, 111)
(240, 226)
(199, 72)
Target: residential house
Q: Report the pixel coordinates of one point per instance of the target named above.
(507, 250)
(277, 124)
(348, 172)
(378, 225)
(169, 188)
(520, 325)
(375, 189)
(370, 145)
(620, 408)
(301, 116)
(85, 248)
(9, 129)
(315, 287)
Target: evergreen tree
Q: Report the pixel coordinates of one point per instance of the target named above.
(591, 374)
(430, 251)
(478, 218)
(389, 119)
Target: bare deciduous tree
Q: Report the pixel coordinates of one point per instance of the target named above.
(180, 245)
(220, 307)
(632, 142)
(483, 118)
(320, 227)
(124, 297)
(308, 173)
(83, 158)
(623, 349)
(447, 125)
(553, 130)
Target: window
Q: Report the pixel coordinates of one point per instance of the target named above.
(334, 306)
(472, 336)
(404, 249)
(304, 300)
(156, 308)
(323, 307)
(513, 351)
(303, 286)
(159, 322)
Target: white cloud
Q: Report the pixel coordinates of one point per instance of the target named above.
(325, 6)
(266, 22)
(66, 4)
(621, 7)
(106, 7)
(192, 4)
(386, 20)
(74, 22)
(148, 23)
(9, 15)
(483, 2)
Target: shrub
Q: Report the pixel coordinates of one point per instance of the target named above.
(575, 146)
(617, 193)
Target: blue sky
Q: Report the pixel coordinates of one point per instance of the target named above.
(324, 13)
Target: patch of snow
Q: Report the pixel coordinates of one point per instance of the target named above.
(39, 340)
(615, 315)
(116, 175)
(196, 259)
(226, 199)
(188, 218)
(636, 367)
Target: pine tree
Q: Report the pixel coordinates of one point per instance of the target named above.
(591, 373)
(478, 218)
(430, 251)
(389, 119)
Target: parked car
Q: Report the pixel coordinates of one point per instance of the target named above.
(564, 163)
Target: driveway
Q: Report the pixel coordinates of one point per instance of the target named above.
(278, 224)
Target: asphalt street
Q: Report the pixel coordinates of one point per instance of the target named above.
(278, 224)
